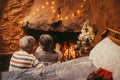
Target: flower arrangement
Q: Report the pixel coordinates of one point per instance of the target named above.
(87, 35)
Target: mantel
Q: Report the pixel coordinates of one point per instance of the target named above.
(54, 26)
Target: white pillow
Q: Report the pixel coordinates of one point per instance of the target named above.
(106, 54)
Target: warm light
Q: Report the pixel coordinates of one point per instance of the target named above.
(66, 17)
(33, 13)
(69, 52)
(58, 16)
(81, 6)
(53, 10)
(78, 11)
(21, 22)
(53, 2)
(84, 0)
(24, 20)
(28, 18)
(57, 46)
(73, 14)
(52, 7)
(46, 3)
(43, 7)
(61, 18)
(37, 9)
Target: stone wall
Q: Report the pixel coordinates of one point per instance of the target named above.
(11, 13)
(43, 15)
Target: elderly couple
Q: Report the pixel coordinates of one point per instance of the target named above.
(30, 55)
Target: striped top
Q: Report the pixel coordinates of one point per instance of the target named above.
(21, 60)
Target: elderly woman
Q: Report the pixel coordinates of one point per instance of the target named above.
(46, 53)
(24, 58)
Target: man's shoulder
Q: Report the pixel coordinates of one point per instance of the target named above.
(20, 52)
(23, 54)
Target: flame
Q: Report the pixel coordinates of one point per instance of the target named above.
(68, 51)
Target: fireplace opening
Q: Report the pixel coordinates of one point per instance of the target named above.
(58, 37)
(67, 41)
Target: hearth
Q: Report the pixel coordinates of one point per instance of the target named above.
(67, 40)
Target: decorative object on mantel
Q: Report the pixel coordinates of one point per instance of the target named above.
(86, 37)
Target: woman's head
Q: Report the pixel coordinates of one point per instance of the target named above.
(46, 41)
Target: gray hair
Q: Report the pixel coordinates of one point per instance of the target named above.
(26, 42)
(46, 41)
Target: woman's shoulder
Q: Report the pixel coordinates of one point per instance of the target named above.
(47, 56)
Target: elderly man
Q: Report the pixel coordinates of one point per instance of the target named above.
(24, 58)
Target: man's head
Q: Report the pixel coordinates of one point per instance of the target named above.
(27, 43)
(46, 41)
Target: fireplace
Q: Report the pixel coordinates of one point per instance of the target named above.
(67, 40)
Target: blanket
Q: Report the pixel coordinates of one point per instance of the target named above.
(76, 69)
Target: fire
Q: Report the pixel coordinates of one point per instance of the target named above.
(68, 51)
